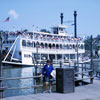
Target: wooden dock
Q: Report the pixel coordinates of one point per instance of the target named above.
(85, 92)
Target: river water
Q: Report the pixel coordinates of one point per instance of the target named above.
(18, 72)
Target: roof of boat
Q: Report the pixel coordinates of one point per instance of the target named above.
(59, 26)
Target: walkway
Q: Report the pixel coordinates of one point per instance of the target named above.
(87, 92)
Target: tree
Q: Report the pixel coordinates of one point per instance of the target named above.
(44, 30)
(25, 30)
(87, 42)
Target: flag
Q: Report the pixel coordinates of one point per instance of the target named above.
(7, 19)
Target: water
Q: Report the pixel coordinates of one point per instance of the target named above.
(18, 72)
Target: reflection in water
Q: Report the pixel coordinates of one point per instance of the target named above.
(18, 72)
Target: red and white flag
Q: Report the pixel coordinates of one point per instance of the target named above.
(7, 19)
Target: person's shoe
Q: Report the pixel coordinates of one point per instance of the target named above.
(45, 91)
(49, 91)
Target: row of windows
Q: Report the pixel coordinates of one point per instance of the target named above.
(8, 41)
(49, 45)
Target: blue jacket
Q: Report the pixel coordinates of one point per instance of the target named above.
(47, 70)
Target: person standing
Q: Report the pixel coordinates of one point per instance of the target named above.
(46, 71)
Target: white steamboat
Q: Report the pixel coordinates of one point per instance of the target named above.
(23, 48)
(58, 46)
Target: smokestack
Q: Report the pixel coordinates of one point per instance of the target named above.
(61, 16)
(75, 24)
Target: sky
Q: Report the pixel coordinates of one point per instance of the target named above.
(43, 14)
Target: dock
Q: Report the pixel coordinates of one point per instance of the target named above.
(85, 92)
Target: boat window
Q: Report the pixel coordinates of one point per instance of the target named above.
(7, 41)
(55, 30)
(44, 56)
(53, 45)
(34, 44)
(36, 56)
(37, 44)
(10, 41)
(60, 46)
(73, 46)
(29, 44)
(3, 41)
(60, 29)
(70, 46)
(23, 43)
(67, 46)
(52, 56)
(72, 56)
(66, 56)
(46, 45)
(59, 56)
(82, 47)
(42, 45)
(76, 45)
(20, 53)
(79, 46)
(57, 46)
(49, 45)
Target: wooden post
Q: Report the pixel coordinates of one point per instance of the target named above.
(1, 92)
(91, 63)
(82, 74)
(60, 64)
(36, 58)
(35, 89)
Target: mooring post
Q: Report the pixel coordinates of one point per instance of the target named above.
(36, 58)
(60, 64)
(91, 64)
(35, 89)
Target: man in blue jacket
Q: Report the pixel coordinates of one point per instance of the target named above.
(46, 71)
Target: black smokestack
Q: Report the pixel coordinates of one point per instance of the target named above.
(61, 16)
(75, 24)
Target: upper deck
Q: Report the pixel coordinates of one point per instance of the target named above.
(58, 35)
(58, 39)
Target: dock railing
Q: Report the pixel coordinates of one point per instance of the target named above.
(83, 71)
(35, 86)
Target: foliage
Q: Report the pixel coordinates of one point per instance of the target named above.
(44, 30)
(95, 41)
(87, 42)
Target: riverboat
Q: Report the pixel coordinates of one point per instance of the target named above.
(26, 48)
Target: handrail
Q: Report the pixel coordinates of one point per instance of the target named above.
(17, 78)
(15, 88)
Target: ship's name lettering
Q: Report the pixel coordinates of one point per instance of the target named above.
(27, 55)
